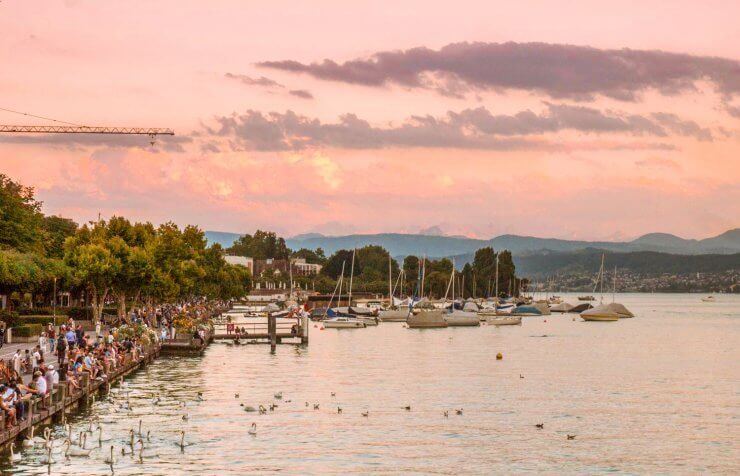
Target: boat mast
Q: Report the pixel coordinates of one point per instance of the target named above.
(614, 288)
(601, 281)
(351, 275)
(341, 278)
(453, 284)
(390, 282)
(495, 299)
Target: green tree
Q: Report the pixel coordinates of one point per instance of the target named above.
(57, 229)
(20, 217)
(263, 245)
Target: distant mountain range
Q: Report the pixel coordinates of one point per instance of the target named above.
(443, 246)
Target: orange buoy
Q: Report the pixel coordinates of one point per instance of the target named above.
(499, 356)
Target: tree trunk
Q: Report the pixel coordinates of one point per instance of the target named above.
(121, 304)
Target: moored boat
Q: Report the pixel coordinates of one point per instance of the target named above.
(462, 319)
(599, 313)
(503, 320)
(427, 319)
(343, 323)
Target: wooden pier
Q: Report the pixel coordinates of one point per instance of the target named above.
(63, 398)
(270, 331)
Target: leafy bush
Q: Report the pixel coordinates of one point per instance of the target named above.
(36, 311)
(8, 317)
(43, 320)
(29, 330)
(79, 313)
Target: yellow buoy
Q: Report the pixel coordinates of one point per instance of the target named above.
(499, 356)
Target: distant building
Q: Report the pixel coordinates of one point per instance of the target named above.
(281, 267)
(242, 260)
(301, 268)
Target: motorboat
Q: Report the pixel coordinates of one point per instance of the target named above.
(343, 323)
(562, 307)
(586, 298)
(526, 311)
(708, 299)
(427, 319)
(503, 320)
(600, 313)
(457, 318)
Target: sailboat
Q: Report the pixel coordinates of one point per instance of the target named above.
(339, 319)
(393, 313)
(458, 318)
(500, 319)
(620, 309)
(600, 313)
(367, 316)
(427, 317)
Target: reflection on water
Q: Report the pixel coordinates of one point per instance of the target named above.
(658, 393)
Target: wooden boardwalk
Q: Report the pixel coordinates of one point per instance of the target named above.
(62, 398)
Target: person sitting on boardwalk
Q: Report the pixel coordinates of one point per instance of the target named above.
(7, 404)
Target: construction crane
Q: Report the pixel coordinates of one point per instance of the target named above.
(72, 128)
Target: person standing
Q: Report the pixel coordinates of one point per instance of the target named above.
(71, 338)
(17, 360)
(51, 334)
(61, 348)
(98, 331)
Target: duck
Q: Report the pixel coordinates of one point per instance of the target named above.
(249, 408)
(571, 437)
(333, 394)
(279, 395)
(521, 376)
(315, 406)
(110, 459)
(339, 410)
(459, 411)
(273, 406)
(407, 408)
(185, 417)
(253, 430)
(199, 397)
(446, 413)
(236, 395)
(366, 414)
(14, 457)
(540, 426)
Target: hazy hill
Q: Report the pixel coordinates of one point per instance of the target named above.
(439, 246)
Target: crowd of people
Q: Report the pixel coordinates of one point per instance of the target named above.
(77, 353)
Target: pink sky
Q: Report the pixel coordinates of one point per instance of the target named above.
(540, 136)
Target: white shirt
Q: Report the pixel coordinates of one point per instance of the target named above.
(35, 359)
(17, 362)
(41, 385)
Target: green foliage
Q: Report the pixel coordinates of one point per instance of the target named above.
(43, 320)
(20, 217)
(57, 229)
(29, 330)
(263, 245)
(313, 257)
(8, 317)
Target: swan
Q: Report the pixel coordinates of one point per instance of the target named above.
(143, 454)
(102, 437)
(47, 458)
(111, 460)
(131, 438)
(279, 395)
(14, 457)
(253, 430)
(75, 451)
(263, 410)
(185, 417)
(139, 426)
(182, 443)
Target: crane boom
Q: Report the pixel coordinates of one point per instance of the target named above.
(150, 131)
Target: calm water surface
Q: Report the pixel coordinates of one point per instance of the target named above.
(659, 393)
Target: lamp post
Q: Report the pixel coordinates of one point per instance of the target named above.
(54, 304)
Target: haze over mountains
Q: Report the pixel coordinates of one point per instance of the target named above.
(436, 245)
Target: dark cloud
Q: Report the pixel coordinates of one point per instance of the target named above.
(682, 127)
(76, 141)
(468, 129)
(301, 93)
(734, 111)
(560, 71)
(250, 81)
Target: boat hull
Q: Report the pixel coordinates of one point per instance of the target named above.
(427, 320)
(504, 320)
(394, 315)
(343, 324)
(462, 319)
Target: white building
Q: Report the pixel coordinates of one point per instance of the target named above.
(242, 260)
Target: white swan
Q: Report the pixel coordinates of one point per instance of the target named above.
(14, 457)
(47, 458)
(75, 451)
(145, 454)
(103, 436)
(182, 443)
(111, 460)
(253, 430)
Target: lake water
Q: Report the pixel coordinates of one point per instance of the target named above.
(659, 393)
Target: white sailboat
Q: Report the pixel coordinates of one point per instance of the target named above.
(425, 319)
(457, 318)
(600, 313)
(393, 313)
(497, 319)
(341, 322)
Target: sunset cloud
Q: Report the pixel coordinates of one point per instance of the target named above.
(557, 70)
(468, 129)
